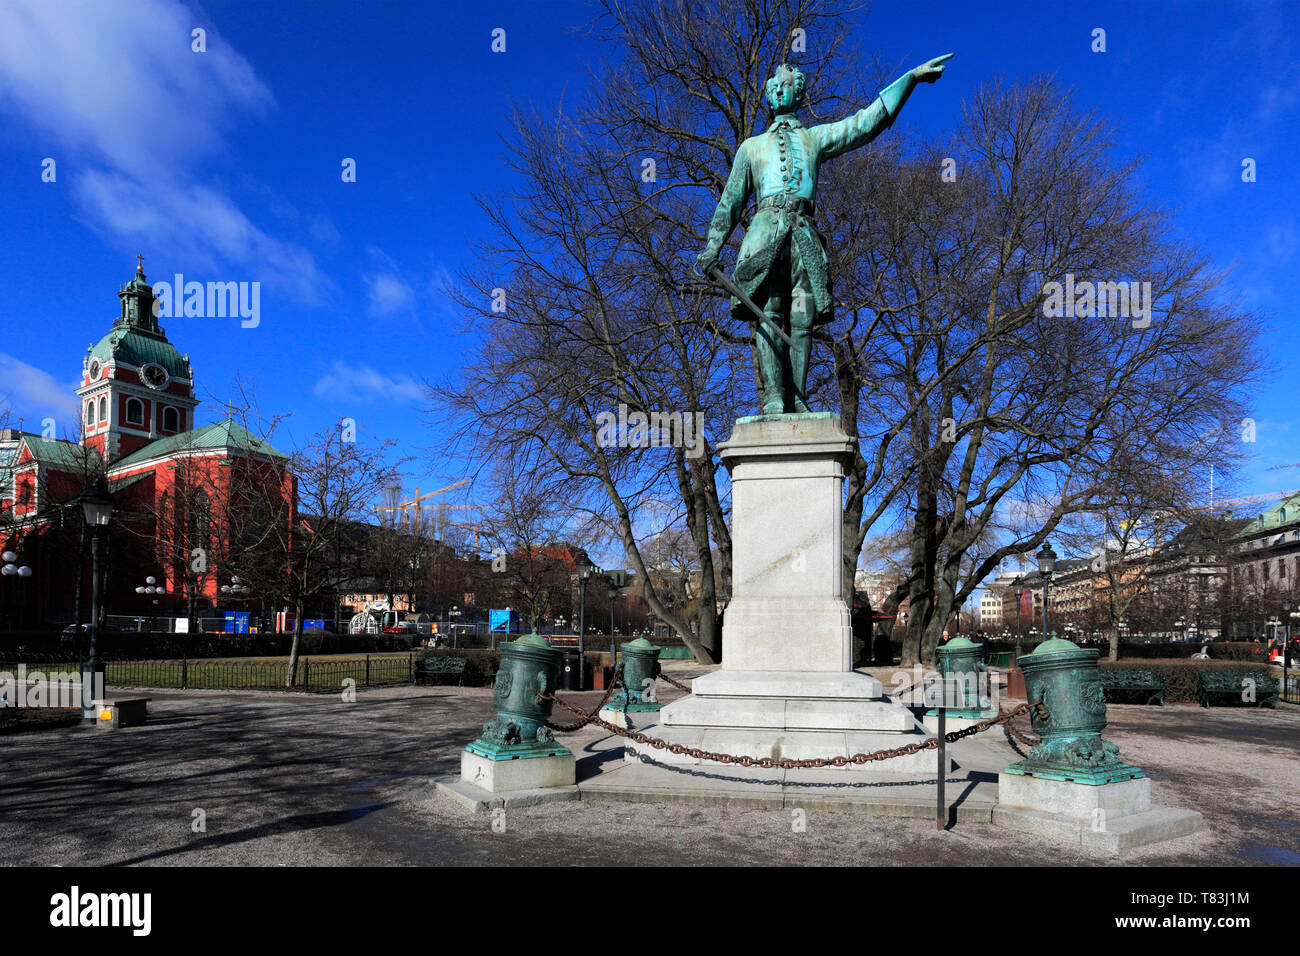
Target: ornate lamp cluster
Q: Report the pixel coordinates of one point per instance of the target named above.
(11, 567)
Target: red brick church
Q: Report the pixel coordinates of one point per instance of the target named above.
(174, 486)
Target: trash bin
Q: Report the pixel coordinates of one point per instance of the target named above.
(569, 673)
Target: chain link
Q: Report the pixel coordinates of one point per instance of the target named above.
(1027, 741)
(786, 763)
(678, 684)
(587, 719)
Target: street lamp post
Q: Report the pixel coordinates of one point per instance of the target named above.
(97, 508)
(1018, 589)
(1046, 567)
(1286, 652)
(583, 575)
(11, 569)
(151, 587)
(235, 589)
(613, 646)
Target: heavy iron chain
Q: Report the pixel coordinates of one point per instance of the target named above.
(587, 719)
(1011, 729)
(786, 763)
(1027, 741)
(678, 684)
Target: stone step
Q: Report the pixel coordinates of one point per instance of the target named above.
(777, 713)
(778, 744)
(789, 684)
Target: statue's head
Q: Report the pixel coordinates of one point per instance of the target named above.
(784, 91)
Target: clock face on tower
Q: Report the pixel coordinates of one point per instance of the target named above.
(94, 369)
(154, 375)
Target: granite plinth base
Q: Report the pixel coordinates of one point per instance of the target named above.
(1114, 817)
(522, 773)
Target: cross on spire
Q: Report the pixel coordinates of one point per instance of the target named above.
(139, 266)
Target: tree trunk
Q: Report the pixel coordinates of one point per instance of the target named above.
(297, 640)
(697, 522)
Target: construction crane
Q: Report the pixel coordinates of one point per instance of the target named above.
(467, 525)
(416, 504)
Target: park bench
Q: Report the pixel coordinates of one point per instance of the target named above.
(121, 712)
(1133, 679)
(1233, 683)
(431, 667)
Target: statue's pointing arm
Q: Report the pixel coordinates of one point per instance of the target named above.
(730, 205)
(866, 124)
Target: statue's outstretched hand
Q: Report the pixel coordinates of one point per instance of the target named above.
(706, 262)
(932, 70)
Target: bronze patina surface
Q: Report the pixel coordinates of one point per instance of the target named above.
(782, 268)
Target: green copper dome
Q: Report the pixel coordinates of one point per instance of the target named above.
(1054, 646)
(139, 347)
(135, 338)
(532, 640)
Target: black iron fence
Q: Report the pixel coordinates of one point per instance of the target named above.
(321, 676)
(1290, 688)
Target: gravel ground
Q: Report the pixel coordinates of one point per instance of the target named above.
(291, 779)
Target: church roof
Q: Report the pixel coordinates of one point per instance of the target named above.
(61, 454)
(136, 338)
(138, 347)
(227, 434)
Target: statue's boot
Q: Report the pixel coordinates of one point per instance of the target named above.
(772, 399)
(799, 356)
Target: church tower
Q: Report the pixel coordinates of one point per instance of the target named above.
(135, 386)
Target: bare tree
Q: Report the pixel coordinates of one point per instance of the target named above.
(988, 402)
(584, 285)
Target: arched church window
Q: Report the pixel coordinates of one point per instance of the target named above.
(170, 420)
(90, 412)
(134, 411)
(103, 409)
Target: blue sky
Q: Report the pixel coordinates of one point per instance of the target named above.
(226, 166)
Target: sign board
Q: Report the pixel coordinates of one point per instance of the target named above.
(503, 621)
(236, 622)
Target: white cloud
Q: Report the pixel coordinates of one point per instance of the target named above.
(120, 77)
(34, 395)
(131, 107)
(387, 293)
(202, 227)
(362, 383)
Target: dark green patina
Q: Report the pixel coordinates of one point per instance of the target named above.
(782, 271)
(1066, 680)
(529, 666)
(638, 670)
(962, 666)
(136, 338)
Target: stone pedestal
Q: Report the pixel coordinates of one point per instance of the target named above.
(629, 719)
(956, 719)
(523, 773)
(1114, 816)
(787, 688)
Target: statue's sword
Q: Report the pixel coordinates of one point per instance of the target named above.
(718, 276)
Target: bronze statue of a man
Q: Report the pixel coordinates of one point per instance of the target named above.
(782, 267)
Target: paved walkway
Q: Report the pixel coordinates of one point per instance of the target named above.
(292, 779)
